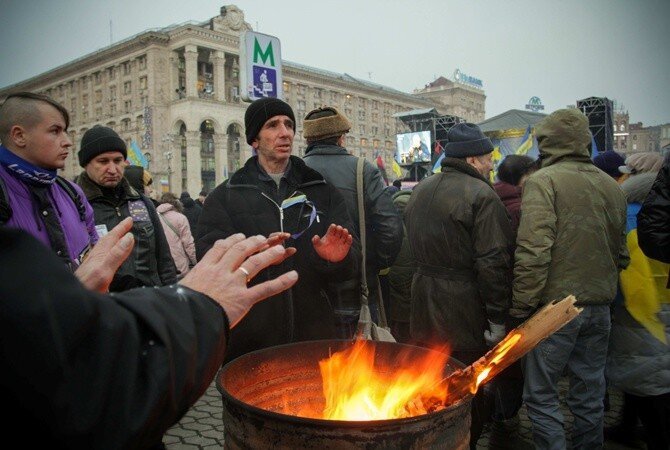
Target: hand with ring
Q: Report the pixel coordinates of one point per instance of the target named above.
(218, 273)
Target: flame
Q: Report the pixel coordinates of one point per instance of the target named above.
(499, 353)
(355, 389)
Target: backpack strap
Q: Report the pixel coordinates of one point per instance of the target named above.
(74, 195)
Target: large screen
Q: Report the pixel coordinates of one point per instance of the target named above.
(413, 147)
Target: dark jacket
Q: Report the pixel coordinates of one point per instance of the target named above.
(192, 212)
(383, 224)
(461, 239)
(150, 263)
(511, 198)
(653, 220)
(249, 202)
(402, 270)
(82, 370)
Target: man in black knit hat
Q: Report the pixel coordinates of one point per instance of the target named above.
(276, 194)
(461, 239)
(103, 154)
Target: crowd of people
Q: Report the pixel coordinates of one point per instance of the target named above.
(93, 358)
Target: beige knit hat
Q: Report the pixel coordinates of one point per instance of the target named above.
(642, 162)
(323, 123)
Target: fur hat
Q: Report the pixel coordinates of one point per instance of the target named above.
(609, 163)
(467, 139)
(323, 123)
(100, 140)
(260, 111)
(642, 162)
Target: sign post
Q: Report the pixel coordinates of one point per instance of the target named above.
(260, 67)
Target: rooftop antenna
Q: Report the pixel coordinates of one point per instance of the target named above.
(370, 75)
(111, 39)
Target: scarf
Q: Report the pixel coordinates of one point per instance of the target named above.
(24, 170)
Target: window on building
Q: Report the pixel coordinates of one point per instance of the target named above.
(301, 105)
(98, 96)
(139, 122)
(374, 130)
(302, 89)
(111, 73)
(84, 102)
(142, 62)
(112, 93)
(622, 128)
(125, 124)
(128, 105)
(334, 97)
(84, 82)
(126, 67)
(287, 87)
(634, 146)
(635, 137)
(317, 93)
(361, 114)
(144, 101)
(73, 104)
(98, 113)
(112, 109)
(143, 82)
(361, 129)
(127, 86)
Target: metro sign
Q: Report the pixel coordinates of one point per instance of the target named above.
(260, 66)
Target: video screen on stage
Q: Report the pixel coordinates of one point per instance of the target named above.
(413, 147)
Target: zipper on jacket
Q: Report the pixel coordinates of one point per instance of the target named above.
(281, 211)
(118, 211)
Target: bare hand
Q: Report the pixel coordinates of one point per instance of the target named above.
(334, 245)
(224, 271)
(97, 270)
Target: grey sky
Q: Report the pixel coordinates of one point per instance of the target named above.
(560, 51)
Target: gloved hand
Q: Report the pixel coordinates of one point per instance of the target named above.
(494, 334)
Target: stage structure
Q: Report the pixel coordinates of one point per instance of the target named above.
(438, 125)
(599, 111)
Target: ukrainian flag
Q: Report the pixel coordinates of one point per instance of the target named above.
(437, 167)
(526, 143)
(397, 171)
(136, 157)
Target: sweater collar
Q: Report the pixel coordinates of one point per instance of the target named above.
(462, 166)
(24, 170)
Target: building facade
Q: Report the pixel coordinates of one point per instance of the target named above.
(173, 94)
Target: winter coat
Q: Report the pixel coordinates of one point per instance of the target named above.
(654, 218)
(383, 224)
(179, 238)
(79, 235)
(571, 237)
(461, 239)
(82, 370)
(511, 198)
(402, 270)
(638, 360)
(192, 212)
(250, 202)
(150, 263)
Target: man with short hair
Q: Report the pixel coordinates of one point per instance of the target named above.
(277, 193)
(461, 239)
(325, 131)
(571, 240)
(201, 198)
(35, 143)
(103, 154)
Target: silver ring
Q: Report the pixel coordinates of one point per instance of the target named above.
(244, 271)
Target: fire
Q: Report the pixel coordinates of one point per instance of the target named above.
(355, 389)
(499, 353)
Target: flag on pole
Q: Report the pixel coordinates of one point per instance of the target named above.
(397, 171)
(437, 167)
(136, 157)
(382, 169)
(496, 157)
(526, 142)
(594, 147)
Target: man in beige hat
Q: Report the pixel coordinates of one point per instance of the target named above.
(325, 129)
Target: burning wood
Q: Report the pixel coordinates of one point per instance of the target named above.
(517, 343)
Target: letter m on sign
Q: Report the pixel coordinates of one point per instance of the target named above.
(268, 54)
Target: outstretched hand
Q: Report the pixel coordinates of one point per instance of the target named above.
(225, 270)
(98, 268)
(334, 245)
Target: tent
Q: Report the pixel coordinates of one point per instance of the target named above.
(507, 130)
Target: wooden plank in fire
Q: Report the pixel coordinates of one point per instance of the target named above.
(549, 319)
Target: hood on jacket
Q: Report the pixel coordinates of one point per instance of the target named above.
(561, 134)
(638, 186)
(165, 207)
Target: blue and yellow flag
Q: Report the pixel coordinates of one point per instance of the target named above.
(397, 171)
(496, 157)
(136, 157)
(437, 167)
(526, 143)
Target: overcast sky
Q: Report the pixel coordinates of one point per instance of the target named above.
(560, 51)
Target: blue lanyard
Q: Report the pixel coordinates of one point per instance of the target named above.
(298, 199)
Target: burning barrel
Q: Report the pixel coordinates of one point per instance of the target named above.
(274, 398)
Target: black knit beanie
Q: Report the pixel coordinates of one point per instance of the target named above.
(467, 139)
(99, 140)
(260, 111)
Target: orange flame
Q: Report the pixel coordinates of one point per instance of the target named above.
(500, 351)
(355, 389)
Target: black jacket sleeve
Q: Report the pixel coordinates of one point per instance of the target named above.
(85, 370)
(653, 220)
(167, 271)
(214, 223)
(383, 221)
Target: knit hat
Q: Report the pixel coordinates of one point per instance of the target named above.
(609, 163)
(324, 123)
(260, 111)
(642, 162)
(467, 139)
(184, 195)
(99, 140)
